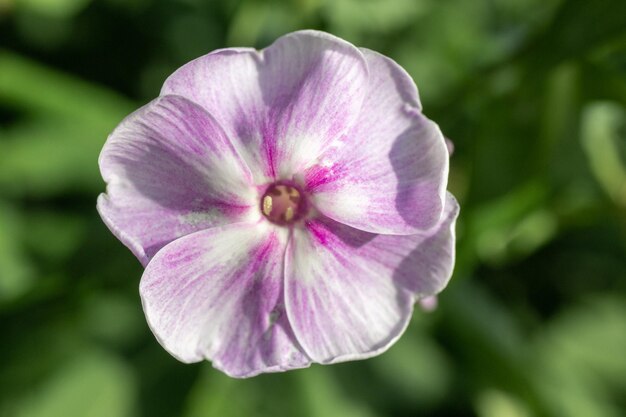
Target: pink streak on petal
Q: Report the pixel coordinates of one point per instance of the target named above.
(350, 293)
(218, 295)
(170, 171)
(283, 105)
(389, 173)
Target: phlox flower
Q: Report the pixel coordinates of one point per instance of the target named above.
(289, 205)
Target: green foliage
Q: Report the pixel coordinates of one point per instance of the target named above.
(533, 95)
(90, 385)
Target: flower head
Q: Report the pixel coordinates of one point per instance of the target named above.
(289, 205)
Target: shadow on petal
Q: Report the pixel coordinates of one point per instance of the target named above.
(414, 163)
(427, 269)
(418, 191)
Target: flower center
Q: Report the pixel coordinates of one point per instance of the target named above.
(283, 204)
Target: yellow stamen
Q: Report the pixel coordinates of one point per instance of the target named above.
(267, 205)
(289, 214)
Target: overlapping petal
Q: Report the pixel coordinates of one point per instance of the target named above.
(218, 294)
(283, 105)
(170, 171)
(350, 293)
(389, 175)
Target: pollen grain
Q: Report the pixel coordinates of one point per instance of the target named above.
(289, 214)
(267, 205)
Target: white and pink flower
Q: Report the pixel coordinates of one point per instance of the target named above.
(289, 205)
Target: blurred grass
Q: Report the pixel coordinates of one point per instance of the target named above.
(65, 121)
(533, 94)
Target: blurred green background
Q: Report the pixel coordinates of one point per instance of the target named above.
(533, 94)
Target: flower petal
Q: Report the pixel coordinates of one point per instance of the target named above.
(283, 105)
(218, 294)
(171, 171)
(350, 293)
(390, 174)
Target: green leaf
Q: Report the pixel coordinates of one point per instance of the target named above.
(55, 147)
(29, 85)
(323, 395)
(91, 385)
(112, 318)
(512, 226)
(415, 369)
(311, 392)
(54, 235)
(581, 365)
(579, 27)
(53, 8)
(49, 156)
(215, 394)
(602, 133)
(355, 17)
(495, 403)
(17, 274)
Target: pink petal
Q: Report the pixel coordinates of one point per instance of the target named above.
(218, 295)
(170, 171)
(283, 105)
(350, 293)
(389, 174)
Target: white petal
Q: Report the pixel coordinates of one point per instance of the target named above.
(350, 293)
(283, 105)
(170, 171)
(218, 295)
(389, 174)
